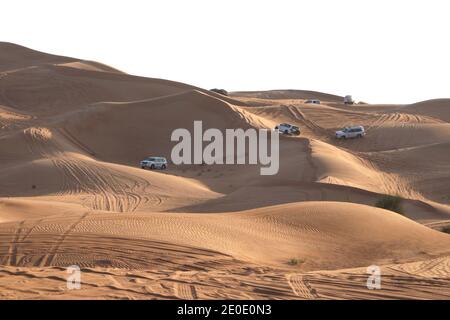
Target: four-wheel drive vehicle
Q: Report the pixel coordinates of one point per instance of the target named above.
(351, 132)
(154, 163)
(287, 128)
(313, 101)
(348, 99)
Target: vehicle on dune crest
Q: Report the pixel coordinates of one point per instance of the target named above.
(220, 91)
(312, 101)
(351, 132)
(348, 99)
(288, 129)
(154, 163)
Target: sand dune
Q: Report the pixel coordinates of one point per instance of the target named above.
(90, 66)
(13, 56)
(141, 127)
(437, 108)
(13, 209)
(45, 84)
(72, 133)
(174, 246)
(288, 94)
(309, 231)
(54, 166)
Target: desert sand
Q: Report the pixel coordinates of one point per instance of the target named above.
(72, 133)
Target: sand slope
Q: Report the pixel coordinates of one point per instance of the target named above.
(324, 238)
(417, 280)
(437, 108)
(288, 94)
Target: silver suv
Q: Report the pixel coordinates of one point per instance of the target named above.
(287, 128)
(154, 163)
(351, 132)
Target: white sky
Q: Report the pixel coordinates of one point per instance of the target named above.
(379, 51)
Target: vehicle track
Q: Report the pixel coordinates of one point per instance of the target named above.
(49, 257)
(297, 114)
(403, 119)
(429, 269)
(10, 258)
(22, 240)
(301, 287)
(184, 290)
(108, 189)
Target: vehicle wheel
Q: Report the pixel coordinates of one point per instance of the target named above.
(359, 135)
(152, 167)
(285, 132)
(163, 167)
(143, 167)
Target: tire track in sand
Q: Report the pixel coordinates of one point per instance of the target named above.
(301, 287)
(10, 258)
(109, 190)
(47, 259)
(300, 116)
(184, 290)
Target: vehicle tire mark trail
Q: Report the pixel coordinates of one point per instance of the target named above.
(25, 237)
(49, 257)
(108, 189)
(11, 256)
(183, 290)
(311, 125)
(301, 287)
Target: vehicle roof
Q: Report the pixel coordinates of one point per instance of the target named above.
(355, 127)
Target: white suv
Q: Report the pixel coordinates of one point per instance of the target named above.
(351, 132)
(154, 163)
(287, 128)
